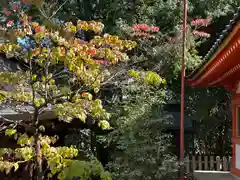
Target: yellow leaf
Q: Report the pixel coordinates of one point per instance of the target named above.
(82, 116)
(43, 78)
(16, 166)
(96, 90)
(104, 124)
(10, 132)
(34, 77)
(164, 81)
(7, 170)
(52, 81)
(70, 67)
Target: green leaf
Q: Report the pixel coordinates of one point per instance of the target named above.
(105, 175)
(65, 90)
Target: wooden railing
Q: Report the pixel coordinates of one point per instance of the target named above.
(208, 163)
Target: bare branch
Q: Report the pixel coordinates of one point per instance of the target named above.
(2, 127)
(8, 120)
(43, 13)
(18, 110)
(55, 12)
(114, 76)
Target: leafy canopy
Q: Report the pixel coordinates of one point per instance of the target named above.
(61, 75)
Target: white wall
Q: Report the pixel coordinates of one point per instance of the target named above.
(237, 148)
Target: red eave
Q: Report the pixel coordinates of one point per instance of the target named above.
(221, 69)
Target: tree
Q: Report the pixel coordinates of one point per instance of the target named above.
(140, 149)
(61, 75)
(213, 122)
(139, 132)
(161, 54)
(166, 15)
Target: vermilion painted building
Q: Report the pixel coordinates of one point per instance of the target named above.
(221, 67)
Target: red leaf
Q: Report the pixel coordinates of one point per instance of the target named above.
(7, 12)
(155, 29)
(201, 22)
(201, 34)
(101, 61)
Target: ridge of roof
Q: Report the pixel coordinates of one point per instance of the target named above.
(223, 35)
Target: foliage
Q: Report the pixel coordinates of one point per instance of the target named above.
(213, 122)
(158, 50)
(164, 13)
(140, 148)
(144, 30)
(198, 23)
(57, 157)
(213, 8)
(84, 170)
(165, 57)
(50, 58)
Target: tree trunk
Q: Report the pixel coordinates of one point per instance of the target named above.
(29, 169)
(38, 156)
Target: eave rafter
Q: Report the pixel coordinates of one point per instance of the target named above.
(217, 65)
(222, 64)
(226, 75)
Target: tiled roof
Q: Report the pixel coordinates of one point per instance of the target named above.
(172, 112)
(223, 35)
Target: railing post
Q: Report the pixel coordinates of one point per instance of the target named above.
(225, 164)
(199, 162)
(218, 163)
(205, 163)
(193, 163)
(211, 163)
(230, 163)
(187, 164)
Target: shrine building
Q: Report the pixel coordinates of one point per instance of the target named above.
(221, 67)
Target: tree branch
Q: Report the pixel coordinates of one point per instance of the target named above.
(58, 9)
